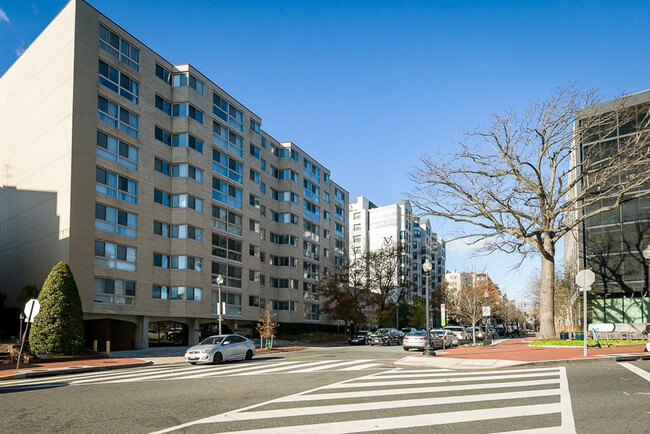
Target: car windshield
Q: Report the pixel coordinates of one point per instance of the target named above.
(382, 332)
(417, 334)
(212, 340)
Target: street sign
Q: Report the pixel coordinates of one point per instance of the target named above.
(486, 311)
(585, 278)
(443, 315)
(32, 308)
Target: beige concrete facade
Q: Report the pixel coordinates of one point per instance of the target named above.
(50, 164)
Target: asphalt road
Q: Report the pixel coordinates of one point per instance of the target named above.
(343, 389)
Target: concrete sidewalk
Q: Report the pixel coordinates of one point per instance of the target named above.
(514, 352)
(34, 370)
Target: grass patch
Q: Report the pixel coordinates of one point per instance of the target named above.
(591, 342)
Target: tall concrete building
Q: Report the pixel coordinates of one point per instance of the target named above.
(612, 243)
(372, 227)
(150, 181)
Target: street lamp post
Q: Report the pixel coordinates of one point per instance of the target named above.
(427, 267)
(219, 281)
(646, 256)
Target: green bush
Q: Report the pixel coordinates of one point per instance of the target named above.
(590, 342)
(58, 328)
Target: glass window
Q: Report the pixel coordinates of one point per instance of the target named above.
(162, 135)
(110, 255)
(226, 112)
(226, 193)
(163, 73)
(162, 197)
(117, 116)
(227, 140)
(227, 166)
(163, 105)
(184, 140)
(114, 291)
(117, 151)
(114, 220)
(118, 82)
(116, 46)
(114, 185)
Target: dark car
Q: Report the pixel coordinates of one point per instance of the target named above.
(386, 336)
(359, 338)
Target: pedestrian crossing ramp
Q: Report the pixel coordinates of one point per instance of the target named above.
(255, 367)
(535, 401)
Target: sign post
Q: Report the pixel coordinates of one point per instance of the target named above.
(443, 315)
(32, 308)
(584, 279)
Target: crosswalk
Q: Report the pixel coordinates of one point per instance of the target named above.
(254, 367)
(535, 401)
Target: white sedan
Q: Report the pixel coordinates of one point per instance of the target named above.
(217, 349)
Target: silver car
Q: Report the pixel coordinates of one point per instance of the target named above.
(418, 341)
(217, 349)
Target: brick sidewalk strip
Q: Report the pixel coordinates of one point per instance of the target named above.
(59, 368)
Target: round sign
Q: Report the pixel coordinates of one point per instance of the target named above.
(32, 308)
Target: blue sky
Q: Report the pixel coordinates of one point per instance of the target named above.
(367, 87)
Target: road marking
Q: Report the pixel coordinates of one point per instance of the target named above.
(443, 380)
(412, 421)
(136, 376)
(64, 378)
(448, 372)
(549, 430)
(274, 369)
(568, 423)
(333, 365)
(414, 390)
(361, 367)
(382, 405)
(638, 371)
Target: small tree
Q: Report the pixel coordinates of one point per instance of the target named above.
(467, 305)
(418, 314)
(58, 328)
(266, 327)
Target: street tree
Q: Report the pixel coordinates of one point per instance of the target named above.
(58, 328)
(519, 185)
(418, 314)
(467, 305)
(266, 327)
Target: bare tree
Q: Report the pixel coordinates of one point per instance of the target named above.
(467, 305)
(521, 182)
(383, 274)
(266, 327)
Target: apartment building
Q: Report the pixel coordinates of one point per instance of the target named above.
(612, 244)
(151, 181)
(372, 227)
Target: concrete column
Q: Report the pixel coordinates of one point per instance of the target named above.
(142, 333)
(194, 331)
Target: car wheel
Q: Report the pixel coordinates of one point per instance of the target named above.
(406, 349)
(217, 358)
(249, 354)
(192, 363)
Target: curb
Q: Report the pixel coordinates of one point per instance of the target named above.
(65, 371)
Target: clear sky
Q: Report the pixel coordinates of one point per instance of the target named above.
(367, 87)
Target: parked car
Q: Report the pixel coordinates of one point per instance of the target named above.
(459, 331)
(449, 338)
(490, 333)
(417, 340)
(217, 349)
(407, 330)
(386, 336)
(480, 335)
(360, 338)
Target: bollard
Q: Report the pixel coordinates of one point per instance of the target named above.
(95, 345)
(108, 348)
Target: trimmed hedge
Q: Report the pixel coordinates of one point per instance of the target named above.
(58, 328)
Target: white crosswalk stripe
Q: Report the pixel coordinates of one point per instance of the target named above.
(186, 372)
(535, 398)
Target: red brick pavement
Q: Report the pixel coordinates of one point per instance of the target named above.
(518, 349)
(8, 370)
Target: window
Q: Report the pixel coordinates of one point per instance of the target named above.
(115, 220)
(188, 293)
(162, 229)
(187, 201)
(112, 149)
(254, 176)
(227, 166)
(118, 82)
(326, 177)
(285, 217)
(187, 79)
(225, 111)
(339, 246)
(311, 170)
(160, 292)
(119, 48)
(255, 151)
(230, 273)
(311, 191)
(226, 193)
(311, 312)
(283, 283)
(356, 239)
(162, 166)
(281, 152)
(163, 105)
(117, 256)
(357, 216)
(225, 220)
(284, 174)
(186, 109)
(255, 127)
(312, 231)
(311, 251)
(183, 262)
(326, 196)
(254, 201)
(357, 227)
(340, 196)
(162, 197)
(163, 73)
(254, 225)
(326, 234)
(185, 170)
(283, 196)
(326, 215)
(117, 116)
(339, 229)
(284, 239)
(226, 247)
(254, 251)
(253, 276)
(161, 260)
(310, 271)
(187, 231)
(310, 292)
(339, 212)
(114, 185)
(226, 139)
(186, 140)
(283, 261)
(233, 303)
(254, 301)
(114, 291)
(283, 305)
(162, 135)
(310, 210)
(263, 165)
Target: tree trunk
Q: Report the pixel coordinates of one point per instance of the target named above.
(546, 291)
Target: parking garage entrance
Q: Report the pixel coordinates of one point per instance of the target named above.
(168, 333)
